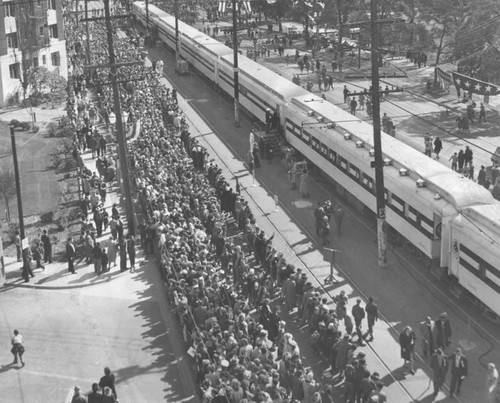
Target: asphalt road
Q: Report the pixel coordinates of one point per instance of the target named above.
(405, 291)
(71, 335)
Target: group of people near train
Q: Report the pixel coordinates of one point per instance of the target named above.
(222, 290)
(215, 284)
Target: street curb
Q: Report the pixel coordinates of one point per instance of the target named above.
(62, 287)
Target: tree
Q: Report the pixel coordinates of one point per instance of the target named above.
(30, 16)
(51, 83)
(7, 189)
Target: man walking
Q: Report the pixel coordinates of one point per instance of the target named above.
(458, 371)
(353, 106)
(439, 366)
(371, 310)
(358, 314)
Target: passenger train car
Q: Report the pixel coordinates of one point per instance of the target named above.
(427, 203)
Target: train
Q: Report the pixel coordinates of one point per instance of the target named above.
(428, 205)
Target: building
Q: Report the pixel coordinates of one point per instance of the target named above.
(31, 36)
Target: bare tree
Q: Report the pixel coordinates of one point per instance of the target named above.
(7, 189)
(32, 36)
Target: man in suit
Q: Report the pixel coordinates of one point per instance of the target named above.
(443, 331)
(458, 363)
(439, 366)
(70, 255)
(428, 332)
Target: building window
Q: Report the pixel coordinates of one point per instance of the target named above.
(44, 60)
(9, 9)
(35, 62)
(55, 58)
(14, 70)
(51, 4)
(53, 31)
(12, 40)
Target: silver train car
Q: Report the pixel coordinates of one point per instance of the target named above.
(427, 203)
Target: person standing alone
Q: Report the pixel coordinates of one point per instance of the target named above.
(17, 347)
(371, 310)
(47, 247)
(70, 255)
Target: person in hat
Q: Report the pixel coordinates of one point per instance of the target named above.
(71, 255)
(459, 370)
(407, 340)
(369, 385)
(428, 333)
(77, 397)
(108, 380)
(94, 396)
(443, 331)
(439, 366)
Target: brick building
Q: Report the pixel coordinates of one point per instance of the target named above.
(31, 35)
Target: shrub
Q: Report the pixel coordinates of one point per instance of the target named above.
(47, 218)
(13, 228)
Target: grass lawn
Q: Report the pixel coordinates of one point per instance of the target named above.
(43, 190)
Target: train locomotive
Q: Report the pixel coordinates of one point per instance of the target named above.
(430, 206)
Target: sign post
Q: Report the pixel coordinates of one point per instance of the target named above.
(330, 257)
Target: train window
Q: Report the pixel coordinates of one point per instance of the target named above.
(491, 273)
(342, 163)
(397, 204)
(353, 172)
(427, 226)
(367, 182)
(332, 156)
(315, 143)
(413, 215)
(306, 137)
(324, 150)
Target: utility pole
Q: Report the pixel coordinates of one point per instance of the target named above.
(19, 206)
(122, 141)
(87, 31)
(377, 141)
(341, 50)
(176, 12)
(235, 69)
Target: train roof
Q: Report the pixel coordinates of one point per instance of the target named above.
(211, 44)
(484, 219)
(280, 86)
(458, 190)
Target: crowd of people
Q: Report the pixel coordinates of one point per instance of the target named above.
(224, 292)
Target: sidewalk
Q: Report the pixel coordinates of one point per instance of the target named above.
(56, 274)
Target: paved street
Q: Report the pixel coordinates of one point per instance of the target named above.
(405, 292)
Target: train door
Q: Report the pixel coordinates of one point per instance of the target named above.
(280, 110)
(216, 70)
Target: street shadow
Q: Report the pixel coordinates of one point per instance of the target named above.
(8, 367)
(164, 344)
